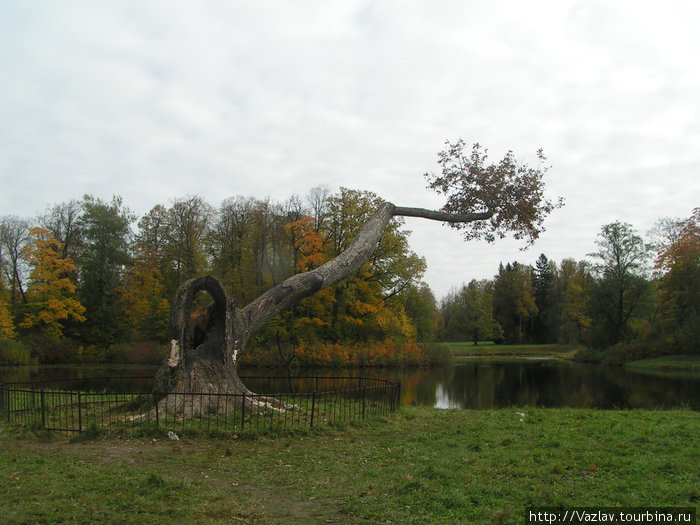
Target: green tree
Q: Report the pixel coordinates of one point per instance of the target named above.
(150, 241)
(262, 227)
(144, 304)
(251, 247)
(514, 301)
(544, 287)
(470, 316)
(228, 239)
(358, 302)
(106, 230)
(621, 290)
(421, 308)
(51, 294)
(679, 260)
(186, 232)
(573, 290)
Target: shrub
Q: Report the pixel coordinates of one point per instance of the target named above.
(141, 353)
(116, 354)
(586, 354)
(622, 353)
(147, 353)
(14, 353)
(52, 351)
(437, 354)
(380, 353)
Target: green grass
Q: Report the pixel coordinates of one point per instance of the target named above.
(417, 466)
(671, 364)
(467, 349)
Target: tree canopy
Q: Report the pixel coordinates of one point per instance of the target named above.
(509, 194)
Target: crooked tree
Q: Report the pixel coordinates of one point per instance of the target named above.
(484, 201)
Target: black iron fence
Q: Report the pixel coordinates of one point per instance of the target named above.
(279, 404)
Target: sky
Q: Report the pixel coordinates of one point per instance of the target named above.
(158, 100)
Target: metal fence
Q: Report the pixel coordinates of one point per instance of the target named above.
(280, 404)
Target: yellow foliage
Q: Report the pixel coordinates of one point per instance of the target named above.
(7, 325)
(309, 321)
(50, 293)
(351, 320)
(146, 311)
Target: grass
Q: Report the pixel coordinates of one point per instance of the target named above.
(468, 349)
(417, 466)
(676, 365)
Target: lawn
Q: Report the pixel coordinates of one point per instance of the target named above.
(676, 365)
(419, 465)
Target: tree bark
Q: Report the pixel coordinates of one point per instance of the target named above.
(206, 345)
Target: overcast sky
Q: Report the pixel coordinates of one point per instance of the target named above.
(158, 100)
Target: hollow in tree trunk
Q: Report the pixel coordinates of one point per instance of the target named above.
(203, 355)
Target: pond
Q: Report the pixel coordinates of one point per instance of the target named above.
(476, 383)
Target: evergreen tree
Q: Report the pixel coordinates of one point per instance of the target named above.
(106, 231)
(544, 285)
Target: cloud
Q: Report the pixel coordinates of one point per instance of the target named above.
(158, 100)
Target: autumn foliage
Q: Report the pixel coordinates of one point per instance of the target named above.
(384, 353)
(51, 293)
(90, 281)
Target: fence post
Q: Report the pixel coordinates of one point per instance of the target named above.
(243, 413)
(6, 396)
(43, 414)
(80, 414)
(364, 388)
(155, 401)
(313, 407)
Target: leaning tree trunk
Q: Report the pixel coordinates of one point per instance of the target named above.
(206, 345)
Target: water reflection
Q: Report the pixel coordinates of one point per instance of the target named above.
(95, 378)
(491, 383)
(475, 383)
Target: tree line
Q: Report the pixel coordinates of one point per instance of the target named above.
(89, 272)
(639, 297)
(88, 275)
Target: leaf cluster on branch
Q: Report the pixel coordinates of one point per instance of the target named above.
(509, 195)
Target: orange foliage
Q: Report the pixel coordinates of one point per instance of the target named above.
(308, 244)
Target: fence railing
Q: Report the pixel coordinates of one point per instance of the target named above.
(280, 404)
